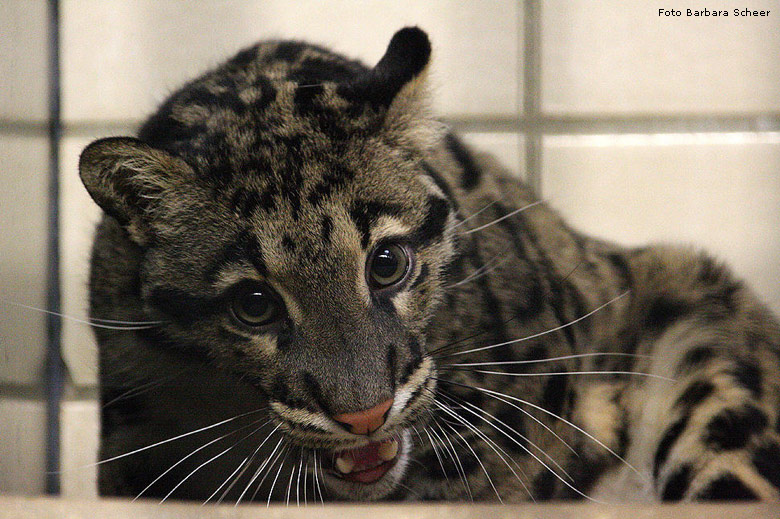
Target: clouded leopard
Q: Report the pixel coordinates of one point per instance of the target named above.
(324, 294)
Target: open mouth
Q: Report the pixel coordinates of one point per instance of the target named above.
(366, 464)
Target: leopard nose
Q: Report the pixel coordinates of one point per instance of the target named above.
(366, 421)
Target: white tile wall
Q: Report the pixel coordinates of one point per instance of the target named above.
(507, 147)
(23, 217)
(23, 55)
(22, 436)
(80, 429)
(121, 59)
(78, 217)
(620, 57)
(721, 192)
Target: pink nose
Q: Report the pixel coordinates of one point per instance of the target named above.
(366, 421)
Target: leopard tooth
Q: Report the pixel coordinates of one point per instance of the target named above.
(388, 450)
(345, 465)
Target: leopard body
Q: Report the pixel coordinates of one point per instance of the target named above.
(283, 171)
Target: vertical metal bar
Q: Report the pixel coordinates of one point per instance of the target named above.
(532, 22)
(54, 365)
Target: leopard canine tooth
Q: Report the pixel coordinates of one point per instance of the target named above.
(345, 464)
(388, 450)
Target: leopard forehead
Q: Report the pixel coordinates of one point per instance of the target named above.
(269, 113)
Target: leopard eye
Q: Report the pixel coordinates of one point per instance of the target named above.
(388, 265)
(256, 305)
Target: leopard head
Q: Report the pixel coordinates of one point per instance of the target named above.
(292, 233)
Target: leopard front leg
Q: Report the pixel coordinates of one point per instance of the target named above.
(712, 433)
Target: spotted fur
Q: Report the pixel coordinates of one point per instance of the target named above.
(285, 168)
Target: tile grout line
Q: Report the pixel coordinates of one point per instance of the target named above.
(531, 85)
(544, 124)
(54, 366)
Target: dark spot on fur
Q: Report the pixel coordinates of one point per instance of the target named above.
(726, 488)
(415, 349)
(267, 200)
(288, 51)
(535, 352)
(337, 176)
(532, 303)
(747, 375)
(677, 484)
(392, 360)
(288, 243)
(471, 172)
(244, 58)
(365, 213)
(732, 428)
(305, 98)
(666, 443)
(244, 202)
(554, 396)
(663, 311)
(695, 394)
(313, 70)
(767, 462)
(514, 425)
(694, 358)
(432, 227)
(440, 183)
(280, 391)
(618, 261)
(543, 486)
(327, 229)
(315, 390)
(244, 248)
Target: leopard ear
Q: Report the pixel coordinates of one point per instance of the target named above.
(405, 60)
(398, 87)
(128, 179)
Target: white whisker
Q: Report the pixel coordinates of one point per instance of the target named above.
(564, 373)
(298, 484)
(458, 464)
(551, 330)
(436, 452)
(136, 451)
(244, 462)
(260, 469)
(490, 480)
(491, 204)
(485, 269)
(271, 492)
(94, 322)
(289, 486)
(158, 478)
(188, 476)
(305, 478)
(497, 449)
(144, 387)
(550, 458)
(508, 215)
(322, 474)
(551, 359)
(550, 413)
(558, 476)
(270, 462)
